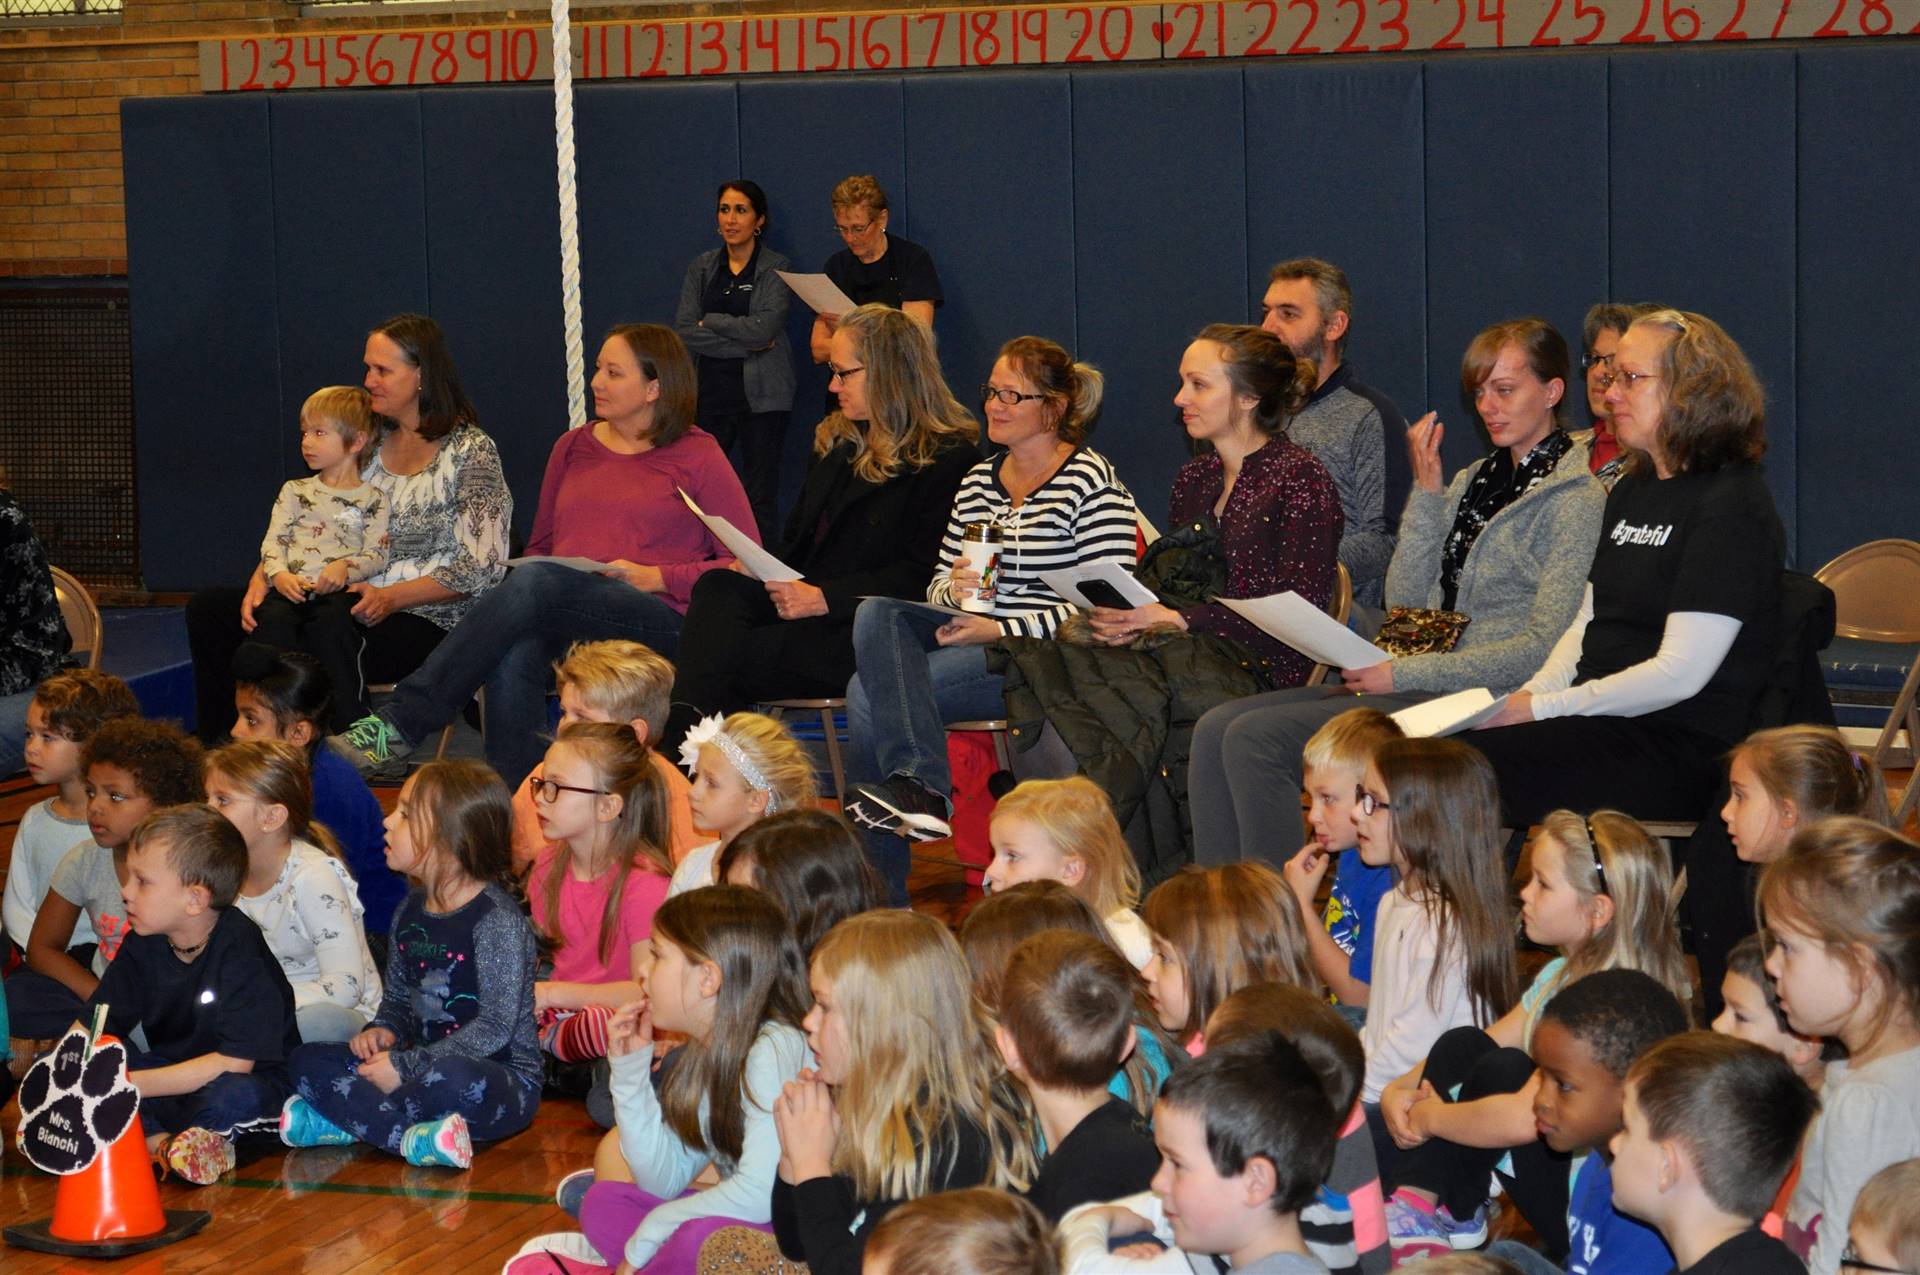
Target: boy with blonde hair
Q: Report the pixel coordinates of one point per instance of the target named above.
(1341, 941)
(612, 681)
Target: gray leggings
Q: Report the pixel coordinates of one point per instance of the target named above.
(1244, 780)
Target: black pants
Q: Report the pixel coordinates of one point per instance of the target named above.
(1718, 907)
(735, 651)
(753, 441)
(1467, 1058)
(390, 650)
(323, 626)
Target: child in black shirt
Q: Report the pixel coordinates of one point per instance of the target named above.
(199, 978)
(1066, 1025)
(1711, 1126)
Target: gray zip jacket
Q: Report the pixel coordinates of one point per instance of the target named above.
(768, 372)
(1521, 583)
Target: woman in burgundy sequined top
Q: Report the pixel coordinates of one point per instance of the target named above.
(1272, 505)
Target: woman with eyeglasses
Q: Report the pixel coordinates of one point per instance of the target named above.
(1600, 334)
(1659, 673)
(875, 267)
(1055, 503)
(733, 318)
(1506, 543)
(868, 522)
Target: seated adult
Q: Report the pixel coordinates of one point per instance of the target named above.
(1657, 675)
(1507, 543)
(1346, 424)
(1253, 515)
(733, 317)
(1600, 334)
(1056, 503)
(868, 522)
(875, 268)
(33, 634)
(611, 494)
(449, 510)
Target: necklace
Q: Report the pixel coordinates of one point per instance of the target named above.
(186, 951)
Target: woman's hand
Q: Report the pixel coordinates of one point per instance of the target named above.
(630, 1029)
(372, 1041)
(964, 580)
(808, 1125)
(290, 586)
(796, 599)
(644, 578)
(1375, 679)
(333, 577)
(380, 1072)
(1305, 871)
(1423, 449)
(1117, 628)
(1517, 709)
(375, 604)
(968, 630)
(256, 594)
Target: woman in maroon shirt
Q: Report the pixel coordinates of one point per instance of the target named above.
(1270, 506)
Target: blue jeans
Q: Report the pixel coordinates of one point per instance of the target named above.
(495, 1102)
(898, 704)
(508, 641)
(13, 739)
(232, 1105)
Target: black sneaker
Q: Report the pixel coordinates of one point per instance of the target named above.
(900, 807)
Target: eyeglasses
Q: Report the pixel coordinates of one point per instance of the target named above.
(842, 373)
(1590, 360)
(853, 232)
(1850, 1261)
(1632, 379)
(548, 791)
(1367, 802)
(1012, 398)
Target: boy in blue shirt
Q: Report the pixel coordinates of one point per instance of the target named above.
(1588, 1039)
(1341, 942)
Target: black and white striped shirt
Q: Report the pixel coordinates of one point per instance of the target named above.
(1084, 513)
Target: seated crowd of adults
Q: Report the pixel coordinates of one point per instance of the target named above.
(1630, 657)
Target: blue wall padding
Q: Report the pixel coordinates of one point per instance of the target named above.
(1004, 220)
(206, 375)
(1858, 300)
(1516, 210)
(1674, 185)
(1160, 247)
(1336, 170)
(1117, 210)
(500, 214)
(350, 237)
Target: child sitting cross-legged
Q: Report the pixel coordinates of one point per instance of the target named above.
(1246, 1137)
(198, 977)
(452, 1055)
(1588, 1038)
(1065, 1027)
(1711, 1126)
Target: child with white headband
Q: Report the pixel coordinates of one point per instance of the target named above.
(744, 768)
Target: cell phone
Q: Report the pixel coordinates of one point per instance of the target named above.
(1102, 593)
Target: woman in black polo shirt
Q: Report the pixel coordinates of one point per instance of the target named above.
(875, 267)
(1658, 674)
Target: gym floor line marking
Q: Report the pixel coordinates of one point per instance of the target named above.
(342, 1188)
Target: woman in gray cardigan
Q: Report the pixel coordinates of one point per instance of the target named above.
(733, 318)
(1508, 543)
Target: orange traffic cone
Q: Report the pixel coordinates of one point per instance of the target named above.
(111, 1208)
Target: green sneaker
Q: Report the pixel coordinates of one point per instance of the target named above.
(442, 1142)
(374, 748)
(303, 1126)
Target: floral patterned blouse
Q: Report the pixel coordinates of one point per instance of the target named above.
(33, 636)
(448, 522)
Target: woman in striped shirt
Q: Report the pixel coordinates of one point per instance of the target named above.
(1058, 504)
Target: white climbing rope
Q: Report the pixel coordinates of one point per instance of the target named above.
(569, 213)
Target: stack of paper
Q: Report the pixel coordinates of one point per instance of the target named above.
(1308, 630)
(1450, 714)
(762, 565)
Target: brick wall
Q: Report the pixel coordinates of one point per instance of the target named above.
(62, 203)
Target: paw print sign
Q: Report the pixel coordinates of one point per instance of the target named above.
(74, 1103)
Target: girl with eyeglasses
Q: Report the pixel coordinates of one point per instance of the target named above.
(603, 810)
(1599, 891)
(1443, 937)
